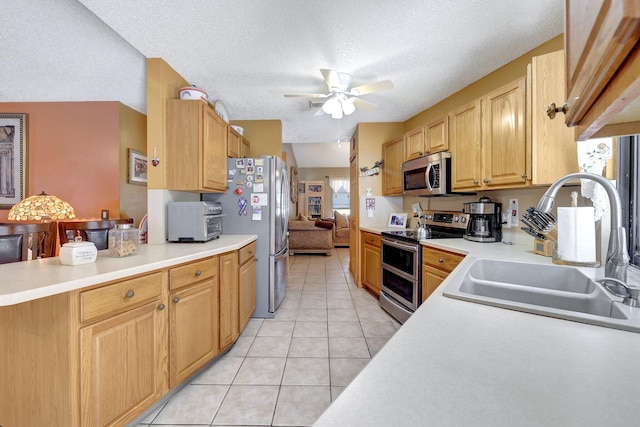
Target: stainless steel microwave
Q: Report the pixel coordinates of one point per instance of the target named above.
(428, 176)
(194, 221)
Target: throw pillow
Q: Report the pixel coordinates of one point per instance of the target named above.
(302, 218)
(342, 221)
(324, 224)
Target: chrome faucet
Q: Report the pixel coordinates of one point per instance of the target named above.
(617, 255)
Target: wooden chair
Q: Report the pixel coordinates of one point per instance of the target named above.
(16, 238)
(92, 231)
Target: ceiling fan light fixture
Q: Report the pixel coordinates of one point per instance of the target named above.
(330, 106)
(337, 112)
(347, 106)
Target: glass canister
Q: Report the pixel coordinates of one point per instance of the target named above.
(123, 240)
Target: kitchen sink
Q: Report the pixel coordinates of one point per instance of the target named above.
(550, 290)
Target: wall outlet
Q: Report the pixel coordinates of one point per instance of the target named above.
(513, 212)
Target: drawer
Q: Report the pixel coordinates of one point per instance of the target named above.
(193, 272)
(246, 253)
(120, 296)
(371, 239)
(438, 258)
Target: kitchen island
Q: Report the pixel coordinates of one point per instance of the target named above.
(458, 363)
(99, 343)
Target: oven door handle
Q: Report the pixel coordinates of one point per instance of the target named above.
(405, 246)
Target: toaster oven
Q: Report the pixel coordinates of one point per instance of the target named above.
(194, 221)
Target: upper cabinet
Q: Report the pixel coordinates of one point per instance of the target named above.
(196, 154)
(432, 138)
(553, 147)
(602, 66)
(414, 144)
(436, 135)
(393, 155)
(234, 143)
(488, 140)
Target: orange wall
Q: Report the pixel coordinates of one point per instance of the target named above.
(72, 153)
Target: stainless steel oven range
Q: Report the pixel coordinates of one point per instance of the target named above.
(401, 288)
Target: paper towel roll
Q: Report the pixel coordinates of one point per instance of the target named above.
(576, 234)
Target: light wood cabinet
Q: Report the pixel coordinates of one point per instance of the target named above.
(122, 355)
(196, 147)
(234, 143)
(354, 236)
(371, 261)
(193, 318)
(436, 135)
(229, 326)
(603, 83)
(553, 148)
(393, 156)
(245, 148)
(436, 266)
(246, 284)
(488, 141)
(465, 133)
(414, 144)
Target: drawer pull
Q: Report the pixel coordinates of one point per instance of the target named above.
(198, 273)
(176, 299)
(129, 294)
(250, 252)
(161, 307)
(440, 260)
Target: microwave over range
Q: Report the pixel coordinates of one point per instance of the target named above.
(428, 176)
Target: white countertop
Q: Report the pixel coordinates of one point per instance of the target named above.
(458, 363)
(30, 280)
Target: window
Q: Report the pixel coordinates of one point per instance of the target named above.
(628, 176)
(340, 198)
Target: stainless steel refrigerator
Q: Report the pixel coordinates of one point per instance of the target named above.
(257, 202)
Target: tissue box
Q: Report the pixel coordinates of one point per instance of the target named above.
(75, 253)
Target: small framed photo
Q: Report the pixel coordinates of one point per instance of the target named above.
(137, 167)
(398, 220)
(13, 158)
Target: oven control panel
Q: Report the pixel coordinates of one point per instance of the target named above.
(447, 219)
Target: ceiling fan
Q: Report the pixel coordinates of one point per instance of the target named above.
(341, 99)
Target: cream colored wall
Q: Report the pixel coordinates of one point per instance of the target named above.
(513, 70)
(133, 135)
(265, 136)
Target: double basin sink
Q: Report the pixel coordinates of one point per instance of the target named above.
(549, 290)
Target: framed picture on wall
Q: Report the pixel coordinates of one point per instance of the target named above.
(13, 158)
(137, 167)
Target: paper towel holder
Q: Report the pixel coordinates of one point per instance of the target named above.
(557, 260)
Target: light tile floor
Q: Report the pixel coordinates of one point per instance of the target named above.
(286, 371)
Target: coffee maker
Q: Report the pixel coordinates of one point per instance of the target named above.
(485, 221)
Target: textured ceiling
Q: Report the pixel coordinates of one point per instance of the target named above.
(248, 53)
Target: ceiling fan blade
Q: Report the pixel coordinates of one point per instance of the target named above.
(331, 77)
(363, 105)
(371, 88)
(305, 95)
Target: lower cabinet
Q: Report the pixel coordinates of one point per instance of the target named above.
(122, 349)
(436, 266)
(229, 326)
(102, 355)
(246, 284)
(371, 261)
(193, 318)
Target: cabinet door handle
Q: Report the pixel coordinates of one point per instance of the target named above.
(475, 182)
(486, 181)
(176, 299)
(524, 177)
(440, 260)
(552, 110)
(161, 307)
(129, 294)
(198, 273)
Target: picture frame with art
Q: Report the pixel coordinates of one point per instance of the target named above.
(397, 220)
(13, 158)
(137, 167)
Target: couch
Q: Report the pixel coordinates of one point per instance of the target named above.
(307, 237)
